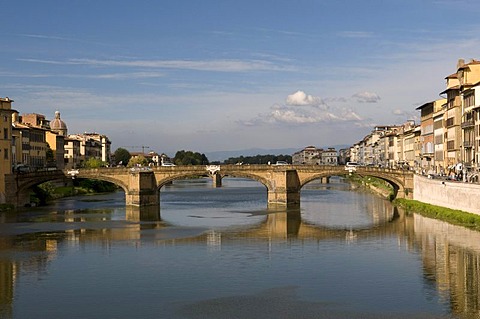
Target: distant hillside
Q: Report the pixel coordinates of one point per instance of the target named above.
(223, 155)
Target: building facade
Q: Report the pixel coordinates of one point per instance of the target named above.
(5, 142)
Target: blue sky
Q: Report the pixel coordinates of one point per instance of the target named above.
(230, 75)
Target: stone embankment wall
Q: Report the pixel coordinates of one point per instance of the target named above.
(455, 195)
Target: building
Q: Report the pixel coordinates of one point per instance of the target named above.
(30, 144)
(329, 157)
(439, 133)
(104, 143)
(310, 155)
(81, 147)
(6, 149)
(72, 157)
(427, 154)
(452, 120)
(56, 140)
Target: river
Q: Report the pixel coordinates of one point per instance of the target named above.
(221, 253)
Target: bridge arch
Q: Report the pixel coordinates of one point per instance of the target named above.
(224, 173)
(167, 180)
(105, 178)
(399, 180)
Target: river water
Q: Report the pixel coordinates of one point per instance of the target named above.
(221, 253)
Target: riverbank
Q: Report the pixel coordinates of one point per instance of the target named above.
(452, 216)
(446, 193)
(375, 185)
(448, 214)
(49, 191)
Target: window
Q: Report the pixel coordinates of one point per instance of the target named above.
(469, 100)
(5, 153)
(450, 121)
(5, 133)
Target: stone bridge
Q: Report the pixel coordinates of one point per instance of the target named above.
(142, 185)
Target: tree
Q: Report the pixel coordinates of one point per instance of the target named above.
(190, 158)
(122, 156)
(93, 162)
(138, 160)
(50, 156)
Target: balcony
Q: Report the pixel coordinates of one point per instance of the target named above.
(468, 144)
(468, 124)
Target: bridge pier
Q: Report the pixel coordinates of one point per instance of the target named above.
(216, 180)
(142, 190)
(284, 189)
(144, 214)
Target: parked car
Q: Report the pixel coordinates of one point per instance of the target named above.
(351, 166)
(281, 163)
(168, 164)
(21, 168)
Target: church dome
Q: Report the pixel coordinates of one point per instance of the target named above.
(57, 125)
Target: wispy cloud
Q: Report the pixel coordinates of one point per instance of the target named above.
(48, 37)
(366, 97)
(355, 34)
(118, 76)
(223, 65)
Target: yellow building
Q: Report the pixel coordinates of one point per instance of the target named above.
(5, 143)
(452, 119)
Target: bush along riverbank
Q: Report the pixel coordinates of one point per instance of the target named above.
(49, 191)
(376, 185)
(452, 216)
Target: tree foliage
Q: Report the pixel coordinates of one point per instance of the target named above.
(259, 159)
(50, 156)
(93, 162)
(122, 156)
(190, 158)
(139, 160)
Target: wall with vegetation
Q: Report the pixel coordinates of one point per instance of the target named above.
(455, 195)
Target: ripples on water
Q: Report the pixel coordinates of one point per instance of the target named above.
(221, 253)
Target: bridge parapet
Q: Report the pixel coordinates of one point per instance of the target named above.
(142, 185)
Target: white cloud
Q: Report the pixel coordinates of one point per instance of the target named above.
(308, 113)
(366, 97)
(300, 98)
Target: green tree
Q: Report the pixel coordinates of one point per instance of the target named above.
(93, 162)
(138, 160)
(50, 156)
(259, 159)
(190, 158)
(122, 156)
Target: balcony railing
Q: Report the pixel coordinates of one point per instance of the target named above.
(467, 144)
(467, 124)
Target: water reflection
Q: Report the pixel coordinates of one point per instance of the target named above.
(30, 241)
(451, 259)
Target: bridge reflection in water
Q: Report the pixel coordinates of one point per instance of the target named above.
(450, 254)
(280, 223)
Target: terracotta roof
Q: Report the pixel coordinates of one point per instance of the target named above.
(424, 105)
(452, 76)
(456, 87)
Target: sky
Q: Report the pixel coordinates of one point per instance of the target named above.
(231, 75)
